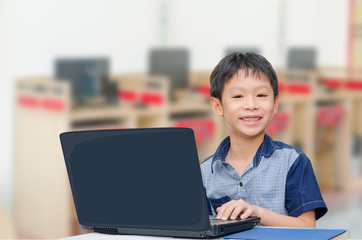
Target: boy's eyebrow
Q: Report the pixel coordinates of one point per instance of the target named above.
(256, 88)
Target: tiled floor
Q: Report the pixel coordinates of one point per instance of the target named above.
(344, 212)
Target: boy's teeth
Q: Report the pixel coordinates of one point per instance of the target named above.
(251, 119)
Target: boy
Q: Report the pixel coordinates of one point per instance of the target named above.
(250, 174)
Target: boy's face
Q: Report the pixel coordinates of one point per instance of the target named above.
(247, 104)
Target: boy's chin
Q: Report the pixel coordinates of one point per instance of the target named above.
(252, 135)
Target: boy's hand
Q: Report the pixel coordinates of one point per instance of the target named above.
(236, 208)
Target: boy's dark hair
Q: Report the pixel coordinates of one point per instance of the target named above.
(249, 63)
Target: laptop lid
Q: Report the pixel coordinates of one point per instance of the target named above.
(134, 179)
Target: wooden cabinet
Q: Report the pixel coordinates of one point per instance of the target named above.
(42, 200)
(43, 205)
(355, 35)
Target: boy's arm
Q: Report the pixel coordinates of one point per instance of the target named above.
(236, 208)
(269, 218)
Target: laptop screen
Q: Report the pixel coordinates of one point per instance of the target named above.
(136, 178)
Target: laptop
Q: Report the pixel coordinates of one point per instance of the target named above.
(141, 181)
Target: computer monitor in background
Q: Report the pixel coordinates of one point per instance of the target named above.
(172, 63)
(302, 58)
(230, 50)
(89, 78)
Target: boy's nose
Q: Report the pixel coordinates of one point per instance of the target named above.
(250, 104)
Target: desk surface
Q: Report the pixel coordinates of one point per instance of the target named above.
(99, 236)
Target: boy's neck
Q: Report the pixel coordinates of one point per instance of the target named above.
(244, 149)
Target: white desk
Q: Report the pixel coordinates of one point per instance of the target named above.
(99, 236)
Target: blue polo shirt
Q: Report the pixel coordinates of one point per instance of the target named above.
(280, 178)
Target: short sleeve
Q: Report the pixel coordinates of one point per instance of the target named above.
(302, 192)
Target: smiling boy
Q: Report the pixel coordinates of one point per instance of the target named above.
(250, 174)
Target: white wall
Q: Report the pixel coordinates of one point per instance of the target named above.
(322, 24)
(5, 119)
(33, 33)
(42, 30)
(38, 31)
(208, 27)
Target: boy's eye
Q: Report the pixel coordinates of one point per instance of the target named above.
(237, 96)
(262, 95)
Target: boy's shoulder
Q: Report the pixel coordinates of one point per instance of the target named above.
(290, 154)
(286, 147)
(207, 160)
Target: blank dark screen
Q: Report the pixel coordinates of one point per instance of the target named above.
(302, 58)
(138, 180)
(88, 76)
(172, 63)
(242, 50)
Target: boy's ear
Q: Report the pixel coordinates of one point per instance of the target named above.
(276, 104)
(216, 106)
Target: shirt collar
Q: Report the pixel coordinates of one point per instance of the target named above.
(266, 148)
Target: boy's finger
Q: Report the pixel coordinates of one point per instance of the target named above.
(220, 211)
(236, 212)
(246, 214)
(227, 212)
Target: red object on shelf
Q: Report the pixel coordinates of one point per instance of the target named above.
(354, 84)
(292, 87)
(279, 123)
(152, 98)
(282, 87)
(204, 90)
(302, 88)
(53, 105)
(203, 127)
(330, 115)
(127, 95)
(143, 97)
(28, 101)
(333, 83)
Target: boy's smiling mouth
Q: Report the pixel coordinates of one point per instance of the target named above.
(251, 118)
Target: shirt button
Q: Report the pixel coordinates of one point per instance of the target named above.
(241, 184)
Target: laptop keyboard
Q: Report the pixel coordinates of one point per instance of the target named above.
(214, 221)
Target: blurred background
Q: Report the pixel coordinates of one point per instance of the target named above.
(91, 64)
